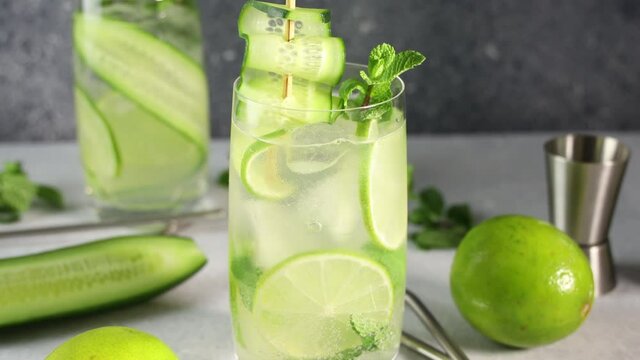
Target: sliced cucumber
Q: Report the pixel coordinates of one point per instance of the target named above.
(93, 276)
(266, 89)
(100, 154)
(149, 71)
(145, 163)
(319, 59)
(257, 17)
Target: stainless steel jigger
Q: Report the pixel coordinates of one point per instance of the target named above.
(584, 174)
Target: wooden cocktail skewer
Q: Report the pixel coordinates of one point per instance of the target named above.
(289, 33)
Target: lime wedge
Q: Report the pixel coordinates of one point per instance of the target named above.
(305, 305)
(260, 172)
(99, 151)
(383, 189)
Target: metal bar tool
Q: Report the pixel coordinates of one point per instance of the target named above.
(584, 175)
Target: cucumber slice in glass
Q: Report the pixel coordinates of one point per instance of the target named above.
(265, 88)
(150, 72)
(146, 166)
(319, 59)
(257, 17)
(100, 154)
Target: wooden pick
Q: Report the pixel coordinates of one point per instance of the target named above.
(289, 33)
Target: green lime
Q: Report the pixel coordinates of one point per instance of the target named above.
(383, 189)
(521, 282)
(100, 154)
(260, 172)
(305, 305)
(113, 342)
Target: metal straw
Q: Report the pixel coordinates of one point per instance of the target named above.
(452, 350)
(107, 224)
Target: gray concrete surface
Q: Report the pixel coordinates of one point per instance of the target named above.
(496, 65)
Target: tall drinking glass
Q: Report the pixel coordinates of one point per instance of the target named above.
(141, 103)
(317, 227)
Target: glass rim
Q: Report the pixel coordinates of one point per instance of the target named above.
(244, 98)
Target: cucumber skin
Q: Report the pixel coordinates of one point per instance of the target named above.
(125, 300)
(329, 79)
(255, 15)
(283, 12)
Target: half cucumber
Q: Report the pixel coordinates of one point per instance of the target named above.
(93, 276)
(257, 17)
(147, 70)
(319, 59)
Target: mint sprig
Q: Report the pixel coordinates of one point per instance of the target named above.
(439, 226)
(373, 335)
(18, 193)
(374, 87)
(383, 67)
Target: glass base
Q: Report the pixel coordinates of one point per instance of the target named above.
(107, 211)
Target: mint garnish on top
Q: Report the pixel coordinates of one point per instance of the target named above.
(374, 87)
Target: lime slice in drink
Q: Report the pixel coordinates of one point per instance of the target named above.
(260, 172)
(99, 151)
(305, 305)
(383, 189)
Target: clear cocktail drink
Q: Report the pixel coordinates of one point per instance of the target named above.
(317, 226)
(141, 104)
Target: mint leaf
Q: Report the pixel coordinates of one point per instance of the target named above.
(247, 275)
(8, 215)
(380, 59)
(435, 238)
(460, 214)
(432, 200)
(402, 63)
(50, 196)
(439, 228)
(13, 167)
(16, 191)
(223, 178)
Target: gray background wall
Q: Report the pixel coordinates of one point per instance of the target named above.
(494, 65)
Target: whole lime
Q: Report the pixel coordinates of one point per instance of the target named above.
(113, 343)
(521, 282)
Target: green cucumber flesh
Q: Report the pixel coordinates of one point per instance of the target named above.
(93, 276)
(148, 71)
(257, 17)
(262, 90)
(100, 154)
(317, 59)
(144, 164)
